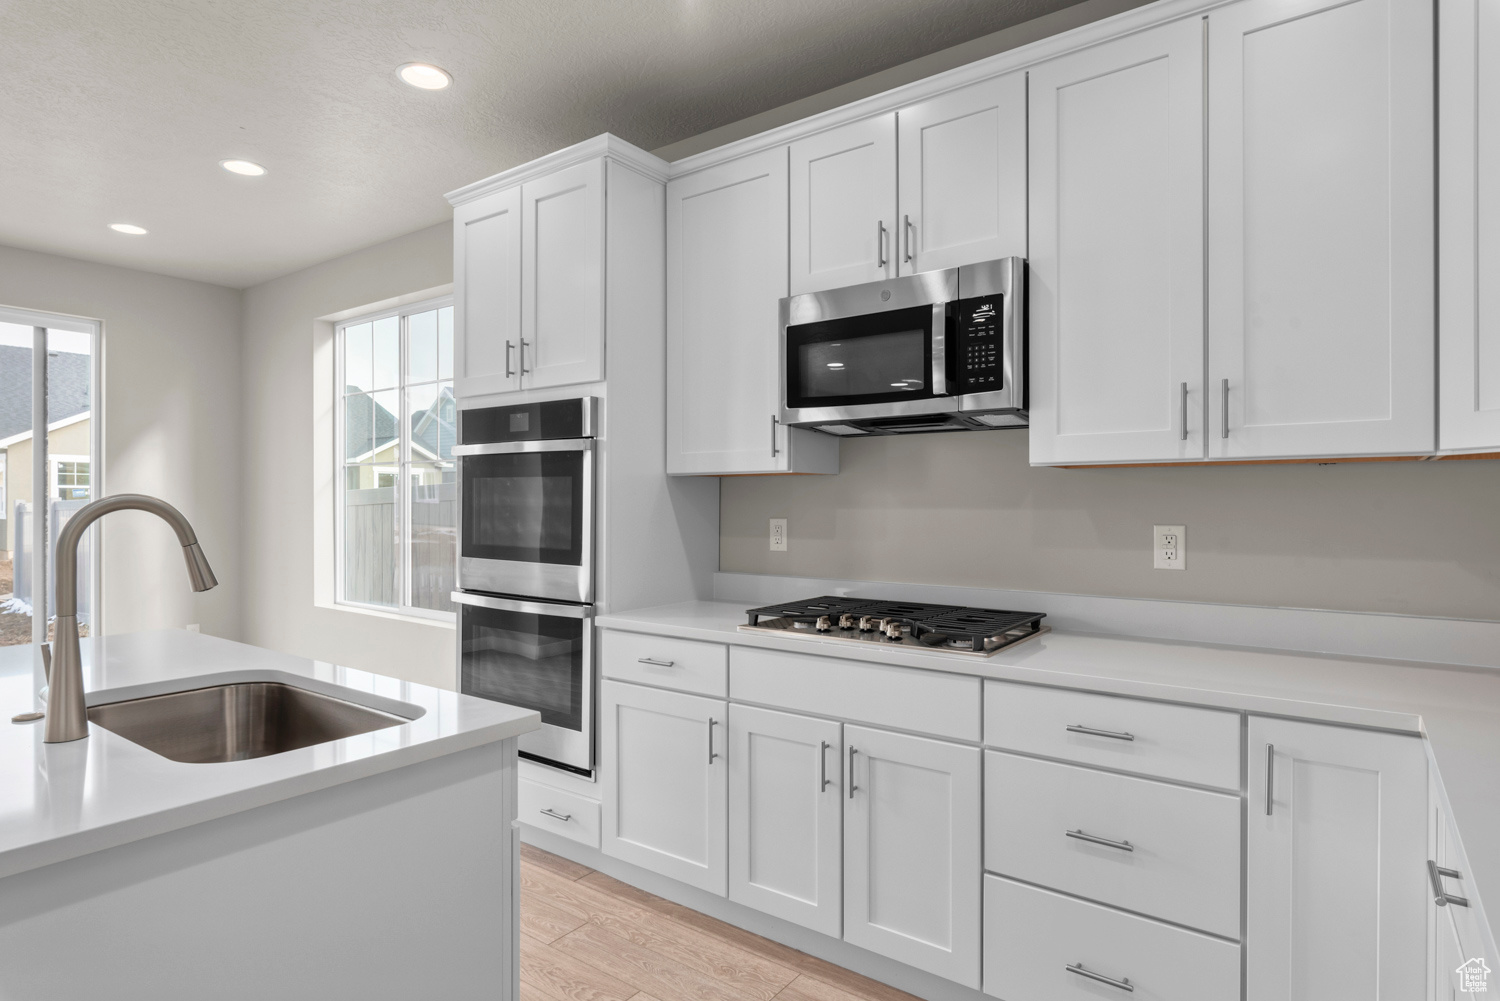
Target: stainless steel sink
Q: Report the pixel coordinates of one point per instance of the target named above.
(235, 722)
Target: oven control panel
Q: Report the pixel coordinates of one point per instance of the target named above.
(977, 358)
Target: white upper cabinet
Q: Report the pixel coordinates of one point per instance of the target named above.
(843, 206)
(962, 173)
(487, 303)
(562, 277)
(1320, 228)
(726, 275)
(1469, 224)
(1116, 284)
(1337, 896)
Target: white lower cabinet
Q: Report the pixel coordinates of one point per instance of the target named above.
(664, 782)
(912, 851)
(1042, 946)
(786, 817)
(1337, 895)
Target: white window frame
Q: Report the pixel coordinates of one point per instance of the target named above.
(403, 461)
(54, 461)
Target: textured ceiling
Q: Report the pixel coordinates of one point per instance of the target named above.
(119, 111)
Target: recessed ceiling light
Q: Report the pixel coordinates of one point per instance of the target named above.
(127, 228)
(424, 76)
(246, 167)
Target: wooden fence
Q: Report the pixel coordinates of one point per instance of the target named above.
(59, 511)
(372, 545)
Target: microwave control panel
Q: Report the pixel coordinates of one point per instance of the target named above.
(977, 359)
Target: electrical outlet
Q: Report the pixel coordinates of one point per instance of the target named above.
(778, 535)
(1169, 549)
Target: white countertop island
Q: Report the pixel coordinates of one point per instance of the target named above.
(380, 865)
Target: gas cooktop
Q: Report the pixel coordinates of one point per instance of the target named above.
(977, 632)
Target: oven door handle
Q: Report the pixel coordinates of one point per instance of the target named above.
(519, 605)
(507, 447)
(940, 349)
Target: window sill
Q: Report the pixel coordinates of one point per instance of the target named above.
(379, 613)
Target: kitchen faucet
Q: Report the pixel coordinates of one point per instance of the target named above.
(67, 716)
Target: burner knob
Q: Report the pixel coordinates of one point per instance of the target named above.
(823, 624)
(846, 621)
(868, 624)
(893, 630)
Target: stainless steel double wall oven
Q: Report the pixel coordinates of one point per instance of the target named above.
(526, 476)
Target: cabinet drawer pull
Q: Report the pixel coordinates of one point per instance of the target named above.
(852, 786)
(1090, 731)
(1442, 897)
(509, 347)
(774, 422)
(1094, 839)
(1270, 777)
(1184, 412)
(823, 778)
(654, 662)
(1224, 409)
(564, 817)
(880, 244)
(711, 724)
(1123, 983)
(524, 369)
(907, 236)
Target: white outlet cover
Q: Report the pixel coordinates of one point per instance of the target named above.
(1168, 547)
(778, 535)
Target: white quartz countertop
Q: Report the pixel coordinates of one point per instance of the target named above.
(60, 801)
(1457, 709)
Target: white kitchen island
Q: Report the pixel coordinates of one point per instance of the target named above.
(382, 865)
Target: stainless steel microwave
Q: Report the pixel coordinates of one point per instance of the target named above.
(938, 351)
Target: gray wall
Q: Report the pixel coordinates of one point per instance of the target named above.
(1419, 538)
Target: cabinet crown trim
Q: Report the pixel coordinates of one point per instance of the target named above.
(608, 145)
(1011, 60)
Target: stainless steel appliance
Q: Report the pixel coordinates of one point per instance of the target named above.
(526, 485)
(952, 629)
(526, 499)
(939, 351)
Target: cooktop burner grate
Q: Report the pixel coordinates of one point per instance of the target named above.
(951, 628)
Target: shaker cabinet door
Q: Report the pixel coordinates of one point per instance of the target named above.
(1320, 228)
(1336, 853)
(663, 781)
(843, 206)
(487, 294)
(562, 274)
(912, 866)
(1469, 224)
(963, 176)
(786, 817)
(1116, 284)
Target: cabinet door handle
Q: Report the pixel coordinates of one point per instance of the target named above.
(906, 235)
(654, 662)
(1270, 777)
(1442, 897)
(524, 369)
(1093, 839)
(1123, 983)
(774, 422)
(852, 786)
(711, 724)
(509, 347)
(1224, 409)
(823, 778)
(880, 244)
(564, 817)
(1090, 731)
(1184, 412)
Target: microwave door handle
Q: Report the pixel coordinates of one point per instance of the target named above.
(940, 349)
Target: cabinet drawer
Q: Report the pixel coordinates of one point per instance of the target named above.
(902, 698)
(686, 665)
(1032, 937)
(556, 810)
(1183, 859)
(1172, 742)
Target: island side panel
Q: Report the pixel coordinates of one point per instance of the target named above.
(399, 885)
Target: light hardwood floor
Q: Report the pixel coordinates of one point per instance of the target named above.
(588, 937)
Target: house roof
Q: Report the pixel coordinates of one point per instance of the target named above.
(370, 427)
(67, 388)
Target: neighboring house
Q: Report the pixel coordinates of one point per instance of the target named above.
(68, 431)
(370, 438)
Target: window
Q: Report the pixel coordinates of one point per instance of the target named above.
(397, 506)
(70, 477)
